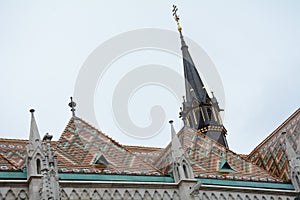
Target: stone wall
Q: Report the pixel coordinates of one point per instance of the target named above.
(240, 196)
(118, 190)
(87, 194)
(12, 190)
(88, 190)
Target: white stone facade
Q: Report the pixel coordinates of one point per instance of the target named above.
(86, 190)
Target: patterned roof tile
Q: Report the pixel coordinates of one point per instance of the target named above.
(81, 144)
(206, 156)
(12, 154)
(270, 154)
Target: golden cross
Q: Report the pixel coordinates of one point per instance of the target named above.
(175, 9)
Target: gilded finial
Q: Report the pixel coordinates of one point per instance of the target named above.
(176, 17)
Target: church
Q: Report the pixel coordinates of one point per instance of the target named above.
(197, 163)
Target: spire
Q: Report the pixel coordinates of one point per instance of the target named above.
(199, 111)
(72, 104)
(34, 135)
(173, 133)
(181, 165)
(193, 84)
(176, 147)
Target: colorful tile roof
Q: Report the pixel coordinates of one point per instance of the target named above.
(148, 154)
(206, 158)
(81, 145)
(82, 149)
(12, 154)
(270, 154)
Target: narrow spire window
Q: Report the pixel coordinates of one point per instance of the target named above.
(178, 172)
(209, 113)
(38, 166)
(185, 171)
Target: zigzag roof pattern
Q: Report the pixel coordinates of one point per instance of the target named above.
(271, 155)
(12, 154)
(206, 157)
(81, 144)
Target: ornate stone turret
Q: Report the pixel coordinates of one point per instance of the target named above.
(182, 168)
(294, 162)
(35, 156)
(41, 165)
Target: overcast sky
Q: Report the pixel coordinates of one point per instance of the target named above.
(254, 45)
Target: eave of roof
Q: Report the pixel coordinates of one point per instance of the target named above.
(108, 177)
(252, 184)
(162, 179)
(13, 175)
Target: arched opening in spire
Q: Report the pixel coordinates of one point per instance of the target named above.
(185, 171)
(209, 114)
(177, 170)
(38, 166)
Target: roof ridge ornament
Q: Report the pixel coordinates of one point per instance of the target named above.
(72, 105)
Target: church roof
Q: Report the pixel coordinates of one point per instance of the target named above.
(82, 149)
(206, 158)
(7, 165)
(271, 155)
(78, 150)
(12, 154)
(148, 154)
(81, 145)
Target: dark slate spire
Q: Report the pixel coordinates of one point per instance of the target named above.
(199, 111)
(193, 84)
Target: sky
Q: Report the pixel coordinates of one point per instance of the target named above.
(254, 46)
